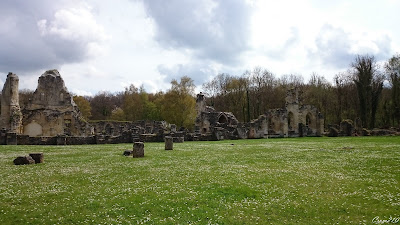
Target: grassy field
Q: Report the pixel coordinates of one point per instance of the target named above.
(266, 181)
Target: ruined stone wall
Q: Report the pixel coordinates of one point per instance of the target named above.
(312, 120)
(116, 128)
(112, 128)
(277, 123)
(295, 120)
(208, 118)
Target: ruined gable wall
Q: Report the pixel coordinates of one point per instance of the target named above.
(52, 110)
(51, 93)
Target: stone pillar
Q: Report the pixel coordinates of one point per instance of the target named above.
(38, 157)
(169, 143)
(200, 107)
(138, 150)
(11, 138)
(11, 116)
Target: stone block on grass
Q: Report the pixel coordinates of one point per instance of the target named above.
(127, 153)
(138, 150)
(169, 143)
(38, 157)
(23, 160)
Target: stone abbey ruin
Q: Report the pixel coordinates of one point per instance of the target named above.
(295, 120)
(51, 117)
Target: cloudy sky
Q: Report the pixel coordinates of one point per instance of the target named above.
(106, 45)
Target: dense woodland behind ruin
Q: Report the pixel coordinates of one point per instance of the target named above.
(367, 91)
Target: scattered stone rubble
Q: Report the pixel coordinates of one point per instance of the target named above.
(127, 153)
(354, 128)
(24, 160)
(32, 158)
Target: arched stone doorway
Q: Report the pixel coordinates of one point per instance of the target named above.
(291, 122)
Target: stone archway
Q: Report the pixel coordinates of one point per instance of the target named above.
(311, 124)
(108, 129)
(309, 120)
(291, 122)
(33, 129)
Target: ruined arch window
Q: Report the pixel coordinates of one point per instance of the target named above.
(290, 120)
(222, 119)
(42, 96)
(108, 129)
(67, 122)
(308, 119)
(61, 97)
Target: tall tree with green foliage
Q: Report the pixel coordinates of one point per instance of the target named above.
(103, 104)
(369, 83)
(178, 104)
(84, 106)
(133, 105)
(392, 68)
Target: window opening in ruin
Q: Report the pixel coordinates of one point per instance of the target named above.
(270, 124)
(308, 119)
(204, 130)
(67, 123)
(42, 96)
(290, 120)
(108, 129)
(222, 119)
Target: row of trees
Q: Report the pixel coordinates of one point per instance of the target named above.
(177, 105)
(366, 91)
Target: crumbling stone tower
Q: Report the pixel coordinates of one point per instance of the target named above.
(293, 104)
(200, 104)
(11, 116)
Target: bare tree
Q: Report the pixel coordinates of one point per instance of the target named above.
(369, 83)
(392, 68)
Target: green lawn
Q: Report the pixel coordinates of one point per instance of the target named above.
(266, 181)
